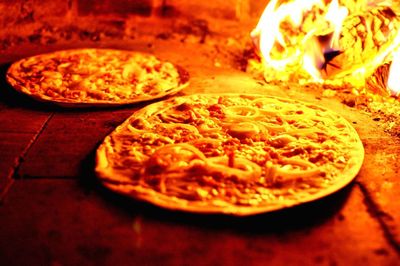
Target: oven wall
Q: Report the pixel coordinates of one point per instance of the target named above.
(45, 22)
(28, 11)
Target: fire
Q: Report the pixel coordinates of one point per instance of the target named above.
(321, 40)
(315, 28)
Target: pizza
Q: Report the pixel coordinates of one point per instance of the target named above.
(230, 154)
(99, 77)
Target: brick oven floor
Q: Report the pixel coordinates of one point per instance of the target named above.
(53, 211)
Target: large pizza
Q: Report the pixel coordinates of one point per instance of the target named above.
(84, 77)
(232, 154)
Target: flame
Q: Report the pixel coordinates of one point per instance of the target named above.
(336, 15)
(310, 42)
(393, 83)
(320, 46)
(299, 39)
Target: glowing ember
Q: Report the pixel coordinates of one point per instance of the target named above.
(393, 82)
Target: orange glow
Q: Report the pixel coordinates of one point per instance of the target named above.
(393, 82)
(315, 30)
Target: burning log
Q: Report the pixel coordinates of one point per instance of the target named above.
(377, 82)
(385, 80)
(367, 40)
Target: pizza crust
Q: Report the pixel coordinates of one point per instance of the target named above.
(130, 171)
(96, 77)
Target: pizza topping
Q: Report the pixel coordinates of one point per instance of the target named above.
(216, 110)
(243, 129)
(241, 170)
(240, 113)
(296, 168)
(174, 157)
(281, 140)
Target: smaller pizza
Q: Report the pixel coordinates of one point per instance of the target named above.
(232, 154)
(98, 77)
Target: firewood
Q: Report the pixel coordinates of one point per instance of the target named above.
(377, 82)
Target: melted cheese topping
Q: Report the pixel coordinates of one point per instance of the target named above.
(95, 76)
(233, 150)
